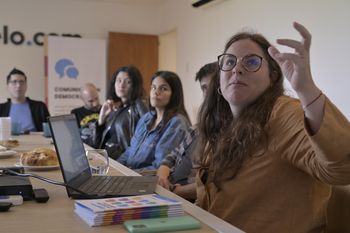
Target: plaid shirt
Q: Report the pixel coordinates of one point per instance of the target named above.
(175, 156)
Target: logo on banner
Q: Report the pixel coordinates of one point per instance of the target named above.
(65, 68)
(16, 37)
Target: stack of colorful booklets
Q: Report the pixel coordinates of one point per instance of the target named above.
(98, 212)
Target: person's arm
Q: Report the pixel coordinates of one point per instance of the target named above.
(324, 155)
(187, 191)
(39, 112)
(179, 151)
(296, 68)
(5, 108)
(163, 173)
(136, 139)
(134, 144)
(44, 115)
(106, 109)
(170, 138)
(169, 163)
(328, 131)
(46, 111)
(166, 166)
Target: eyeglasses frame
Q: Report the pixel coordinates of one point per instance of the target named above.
(240, 60)
(15, 82)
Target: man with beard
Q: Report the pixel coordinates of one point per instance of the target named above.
(88, 114)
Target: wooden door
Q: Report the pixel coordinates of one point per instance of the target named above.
(133, 49)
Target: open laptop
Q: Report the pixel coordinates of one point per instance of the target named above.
(76, 170)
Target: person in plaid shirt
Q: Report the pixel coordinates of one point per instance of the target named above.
(176, 171)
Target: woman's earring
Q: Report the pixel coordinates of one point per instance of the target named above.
(219, 91)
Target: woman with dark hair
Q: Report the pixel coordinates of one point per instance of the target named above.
(121, 112)
(161, 130)
(269, 160)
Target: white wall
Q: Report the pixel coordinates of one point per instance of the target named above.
(167, 51)
(201, 34)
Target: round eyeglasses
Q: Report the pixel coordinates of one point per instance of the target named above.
(250, 63)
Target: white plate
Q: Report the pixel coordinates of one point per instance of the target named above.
(38, 168)
(7, 153)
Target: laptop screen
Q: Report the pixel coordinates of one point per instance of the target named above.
(69, 147)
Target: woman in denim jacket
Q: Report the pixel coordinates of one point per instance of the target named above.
(162, 129)
(121, 112)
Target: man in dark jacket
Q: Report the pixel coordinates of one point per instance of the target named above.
(28, 113)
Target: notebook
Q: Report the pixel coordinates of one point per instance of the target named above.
(76, 170)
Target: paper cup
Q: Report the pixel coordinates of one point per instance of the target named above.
(5, 128)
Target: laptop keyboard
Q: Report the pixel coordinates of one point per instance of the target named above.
(105, 184)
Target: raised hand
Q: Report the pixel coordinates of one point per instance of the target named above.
(106, 109)
(296, 66)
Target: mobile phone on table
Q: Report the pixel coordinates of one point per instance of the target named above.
(162, 224)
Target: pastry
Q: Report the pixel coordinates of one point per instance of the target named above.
(10, 143)
(39, 157)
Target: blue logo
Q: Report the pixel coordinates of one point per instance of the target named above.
(65, 67)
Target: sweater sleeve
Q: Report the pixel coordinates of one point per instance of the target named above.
(331, 145)
(325, 155)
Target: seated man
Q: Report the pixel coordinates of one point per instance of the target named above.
(28, 113)
(88, 114)
(176, 170)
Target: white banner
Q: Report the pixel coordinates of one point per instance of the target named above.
(70, 63)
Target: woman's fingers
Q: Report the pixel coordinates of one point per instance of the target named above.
(296, 45)
(301, 47)
(163, 182)
(295, 65)
(282, 57)
(288, 56)
(305, 34)
(273, 51)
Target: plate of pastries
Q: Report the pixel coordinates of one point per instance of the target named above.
(9, 143)
(5, 153)
(39, 159)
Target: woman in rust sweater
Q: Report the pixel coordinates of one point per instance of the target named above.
(269, 160)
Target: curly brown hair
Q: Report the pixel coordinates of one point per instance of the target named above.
(227, 141)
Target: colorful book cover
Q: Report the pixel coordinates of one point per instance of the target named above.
(108, 211)
(121, 203)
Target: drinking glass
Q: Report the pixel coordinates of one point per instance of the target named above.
(98, 161)
(46, 130)
(15, 128)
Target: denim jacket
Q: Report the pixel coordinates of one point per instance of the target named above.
(149, 147)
